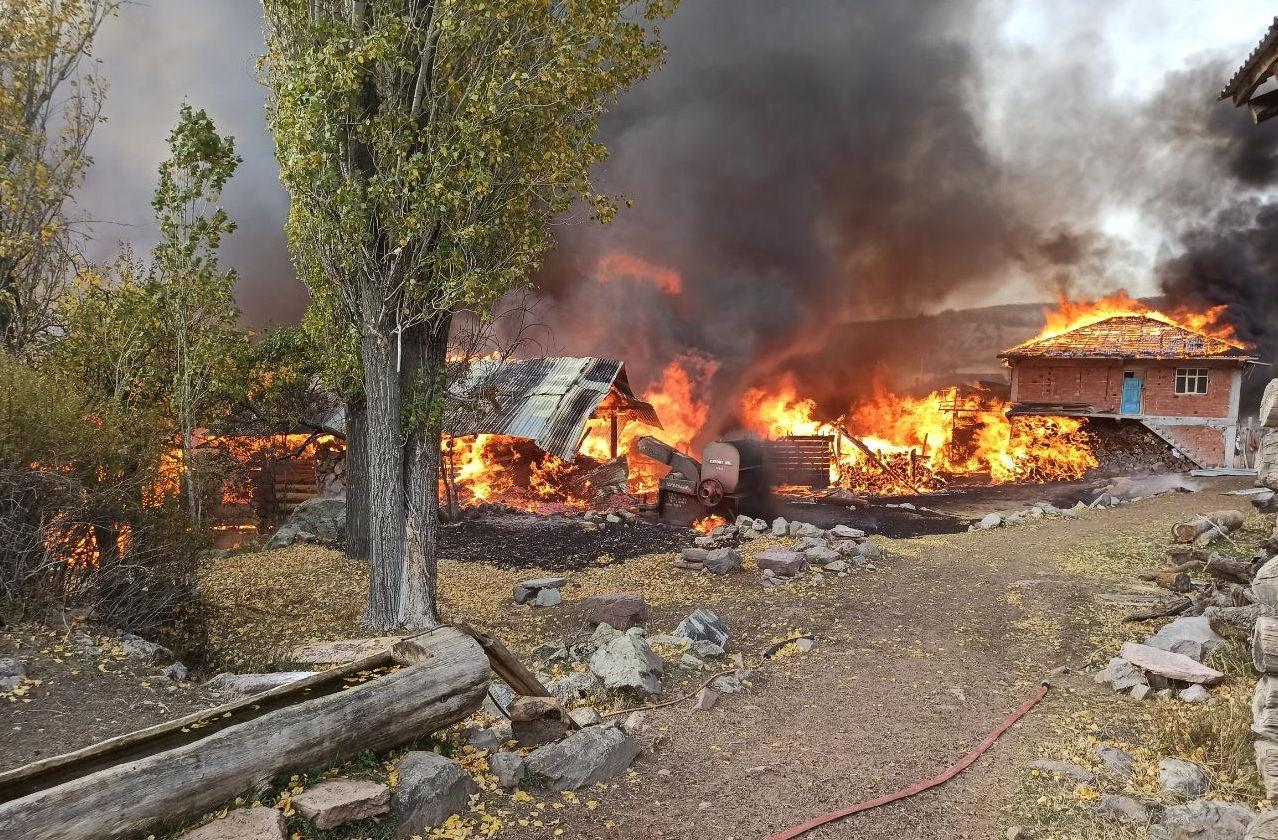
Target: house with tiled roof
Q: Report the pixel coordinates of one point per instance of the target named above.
(1181, 384)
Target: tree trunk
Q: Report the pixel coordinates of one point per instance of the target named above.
(1264, 645)
(423, 378)
(153, 783)
(1221, 521)
(356, 480)
(384, 423)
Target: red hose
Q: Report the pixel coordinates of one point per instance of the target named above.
(918, 787)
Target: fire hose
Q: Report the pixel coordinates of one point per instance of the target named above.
(918, 787)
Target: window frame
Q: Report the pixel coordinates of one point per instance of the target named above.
(1185, 377)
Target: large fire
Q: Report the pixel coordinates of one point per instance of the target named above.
(890, 443)
(1069, 315)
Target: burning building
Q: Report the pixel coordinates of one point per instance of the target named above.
(1259, 67)
(1182, 384)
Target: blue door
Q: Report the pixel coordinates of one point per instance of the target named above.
(1132, 388)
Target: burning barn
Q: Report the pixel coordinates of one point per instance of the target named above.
(1182, 385)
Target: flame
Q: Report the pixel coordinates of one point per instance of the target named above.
(508, 470)
(706, 524)
(1069, 315)
(917, 443)
(678, 401)
(618, 264)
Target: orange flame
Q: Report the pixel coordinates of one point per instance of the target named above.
(1071, 314)
(706, 524)
(916, 442)
(617, 264)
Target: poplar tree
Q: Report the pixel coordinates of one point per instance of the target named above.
(427, 146)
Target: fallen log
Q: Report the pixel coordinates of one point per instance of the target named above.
(1264, 708)
(1228, 569)
(1264, 585)
(1173, 579)
(1269, 405)
(1264, 645)
(1181, 555)
(1267, 764)
(1176, 606)
(158, 785)
(1237, 622)
(1220, 521)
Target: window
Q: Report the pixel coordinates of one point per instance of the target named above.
(1191, 381)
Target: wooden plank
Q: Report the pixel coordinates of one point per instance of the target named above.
(176, 786)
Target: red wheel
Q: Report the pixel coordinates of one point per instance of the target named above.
(710, 492)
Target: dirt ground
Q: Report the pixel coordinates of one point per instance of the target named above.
(914, 663)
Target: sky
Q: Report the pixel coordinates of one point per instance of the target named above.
(790, 150)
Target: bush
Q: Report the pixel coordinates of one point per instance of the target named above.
(84, 521)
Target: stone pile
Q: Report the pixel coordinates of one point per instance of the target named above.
(1197, 819)
(539, 592)
(834, 550)
(1169, 663)
(1037, 511)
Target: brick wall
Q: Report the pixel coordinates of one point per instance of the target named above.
(1100, 384)
(1161, 398)
(1097, 384)
(1204, 444)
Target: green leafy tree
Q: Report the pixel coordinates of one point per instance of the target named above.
(50, 101)
(427, 146)
(197, 295)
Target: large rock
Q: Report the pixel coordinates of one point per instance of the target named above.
(529, 589)
(508, 767)
(1184, 777)
(246, 685)
(258, 823)
(704, 626)
(722, 561)
(341, 651)
(781, 561)
(537, 720)
(1263, 827)
(821, 554)
(1120, 675)
(846, 532)
(780, 527)
(136, 647)
(1173, 666)
(339, 801)
(628, 662)
(431, 789)
(321, 518)
(1119, 762)
(588, 756)
(1125, 807)
(1189, 636)
(622, 610)
(1205, 821)
(574, 686)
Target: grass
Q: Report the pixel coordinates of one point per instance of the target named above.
(1215, 735)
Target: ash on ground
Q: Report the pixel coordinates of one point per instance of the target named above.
(516, 540)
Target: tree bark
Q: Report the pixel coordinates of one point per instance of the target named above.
(1220, 521)
(356, 480)
(130, 797)
(384, 426)
(423, 378)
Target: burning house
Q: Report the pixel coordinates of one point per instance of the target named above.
(1181, 384)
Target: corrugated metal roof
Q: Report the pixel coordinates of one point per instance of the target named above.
(545, 400)
(1129, 337)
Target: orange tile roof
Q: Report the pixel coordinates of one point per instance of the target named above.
(1128, 337)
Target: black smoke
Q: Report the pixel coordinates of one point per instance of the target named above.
(801, 167)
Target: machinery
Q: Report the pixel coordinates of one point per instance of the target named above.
(732, 478)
